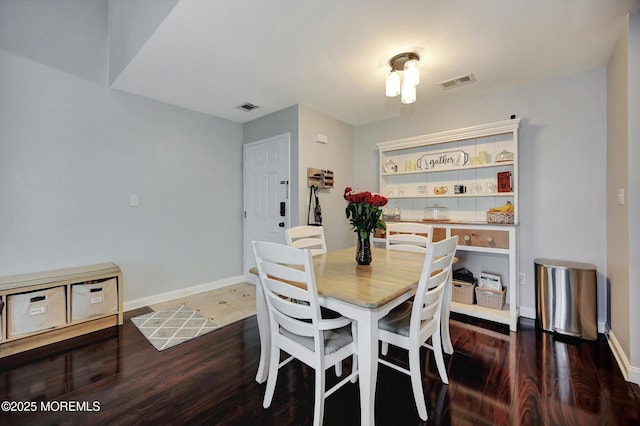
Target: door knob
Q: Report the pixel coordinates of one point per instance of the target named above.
(281, 224)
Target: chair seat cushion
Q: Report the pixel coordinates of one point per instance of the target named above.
(333, 339)
(397, 321)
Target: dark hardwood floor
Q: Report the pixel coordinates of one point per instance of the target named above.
(496, 378)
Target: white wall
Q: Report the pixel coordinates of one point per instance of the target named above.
(617, 177)
(562, 165)
(71, 153)
(70, 35)
(634, 191)
(623, 228)
(131, 23)
(337, 156)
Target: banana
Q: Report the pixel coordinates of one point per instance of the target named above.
(507, 208)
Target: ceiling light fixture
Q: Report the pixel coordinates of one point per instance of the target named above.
(408, 64)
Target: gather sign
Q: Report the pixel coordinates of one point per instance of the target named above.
(443, 160)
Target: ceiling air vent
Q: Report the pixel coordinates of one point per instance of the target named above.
(248, 106)
(458, 81)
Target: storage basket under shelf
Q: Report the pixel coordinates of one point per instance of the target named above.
(500, 217)
(489, 298)
(463, 292)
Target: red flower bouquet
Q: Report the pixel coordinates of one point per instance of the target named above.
(364, 211)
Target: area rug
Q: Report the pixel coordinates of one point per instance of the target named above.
(170, 327)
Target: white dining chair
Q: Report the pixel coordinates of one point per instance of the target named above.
(413, 237)
(311, 238)
(411, 324)
(407, 236)
(297, 327)
(307, 237)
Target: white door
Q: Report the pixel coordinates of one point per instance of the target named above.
(266, 193)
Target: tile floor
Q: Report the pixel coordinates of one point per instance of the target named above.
(222, 306)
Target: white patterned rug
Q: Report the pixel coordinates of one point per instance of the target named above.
(170, 327)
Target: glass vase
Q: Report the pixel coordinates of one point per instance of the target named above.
(363, 254)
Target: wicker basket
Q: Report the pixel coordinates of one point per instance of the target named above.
(499, 217)
(490, 298)
(463, 292)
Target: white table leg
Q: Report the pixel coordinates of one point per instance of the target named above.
(263, 329)
(367, 347)
(367, 365)
(445, 336)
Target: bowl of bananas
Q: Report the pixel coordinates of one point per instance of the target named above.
(502, 214)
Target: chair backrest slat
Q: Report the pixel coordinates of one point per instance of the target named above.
(300, 328)
(285, 273)
(413, 237)
(285, 304)
(307, 237)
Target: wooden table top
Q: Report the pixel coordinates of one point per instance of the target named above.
(390, 274)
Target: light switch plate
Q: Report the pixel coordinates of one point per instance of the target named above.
(134, 201)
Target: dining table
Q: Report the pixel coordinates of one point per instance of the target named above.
(364, 293)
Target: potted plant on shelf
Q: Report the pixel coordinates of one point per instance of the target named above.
(364, 212)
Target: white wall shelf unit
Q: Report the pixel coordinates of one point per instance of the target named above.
(411, 169)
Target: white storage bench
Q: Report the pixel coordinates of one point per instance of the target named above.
(46, 307)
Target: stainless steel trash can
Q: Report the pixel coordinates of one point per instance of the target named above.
(566, 298)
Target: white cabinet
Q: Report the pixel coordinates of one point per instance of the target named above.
(459, 170)
(46, 307)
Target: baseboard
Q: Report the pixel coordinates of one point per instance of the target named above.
(602, 327)
(251, 279)
(183, 292)
(527, 312)
(634, 375)
(629, 372)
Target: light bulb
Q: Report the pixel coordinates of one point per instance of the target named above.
(393, 84)
(408, 94)
(411, 73)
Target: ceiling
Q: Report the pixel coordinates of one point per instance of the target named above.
(332, 55)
